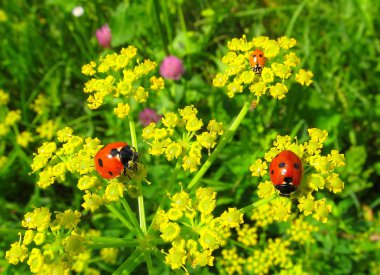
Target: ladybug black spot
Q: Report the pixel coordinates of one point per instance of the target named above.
(114, 152)
(100, 162)
(109, 172)
(296, 166)
(260, 55)
(282, 164)
(272, 172)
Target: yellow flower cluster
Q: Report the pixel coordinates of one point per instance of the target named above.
(9, 119)
(109, 255)
(276, 254)
(319, 174)
(262, 215)
(175, 139)
(24, 138)
(3, 16)
(4, 98)
(50, 246)
(3, 161)
(193, 230)
(40, 105)
(120, 76)
(300, 231)
(231, 262)
(280, 65)
(247, 235)
(47, 130)
(268, 256)
(75, 155)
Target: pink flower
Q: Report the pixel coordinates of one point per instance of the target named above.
(147, 116)
(172, 68)
(103, 34)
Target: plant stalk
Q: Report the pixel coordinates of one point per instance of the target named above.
(224, 140)
(140, 198)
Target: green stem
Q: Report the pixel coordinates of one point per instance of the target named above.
(183, 26)
(132, 129)
(241, 245)
(256, 204)
(140, 198)
(224, 140)
(102, 242)
(294, 18)
(149, 263)
(118, 215)
(168, 188)
(129, 264)
(174, 175)
(11, 231)
(156, 7)
(131, 215)
(140, 201)
(167, 23)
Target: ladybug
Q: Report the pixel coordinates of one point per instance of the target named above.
(257, 61)
(114, 159)
(286, 172)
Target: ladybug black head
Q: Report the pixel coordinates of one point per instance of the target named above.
(129, 157)
(286, 188)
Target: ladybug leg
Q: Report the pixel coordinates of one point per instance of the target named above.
(126, 174)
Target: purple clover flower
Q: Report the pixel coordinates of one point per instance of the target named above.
(103, 34)
(172, 68)
(147, 116)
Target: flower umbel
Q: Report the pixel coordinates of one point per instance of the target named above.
(194, 244)
(279, 66)
(320, 174)
(75, 155)
(121, 76)
(49, 246)
(167, 140)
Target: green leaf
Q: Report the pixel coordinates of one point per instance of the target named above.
(129, 22)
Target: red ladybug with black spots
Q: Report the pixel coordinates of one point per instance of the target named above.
(257, 61)
(114, 159)
(286, 172)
